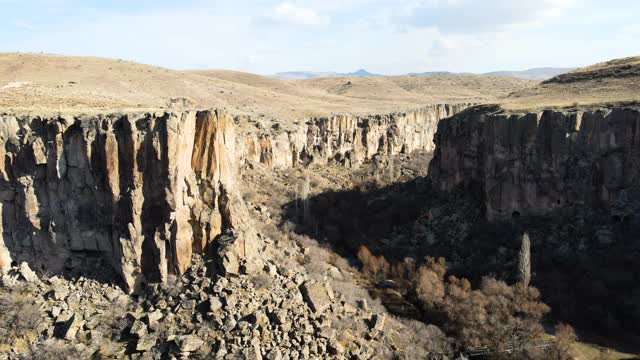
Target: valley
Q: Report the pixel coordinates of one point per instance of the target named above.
(153, 213)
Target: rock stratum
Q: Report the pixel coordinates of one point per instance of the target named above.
(142, 191)
(535, 163)
(145, 191)
(347, 139)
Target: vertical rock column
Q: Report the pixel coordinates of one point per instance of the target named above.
(219, 209)
(140, 191)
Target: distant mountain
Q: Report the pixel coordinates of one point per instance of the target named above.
(298, 75)
(543, 73)
(534, 74)
(438, 73)
(431, 73)
(530, 74)
(361, 72)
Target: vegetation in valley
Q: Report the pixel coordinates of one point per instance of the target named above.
(376, 226)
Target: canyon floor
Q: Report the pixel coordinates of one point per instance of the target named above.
(349, 207)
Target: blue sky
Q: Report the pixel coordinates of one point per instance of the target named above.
(385, 36)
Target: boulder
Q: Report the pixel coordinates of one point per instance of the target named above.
(316, 295)
(189, 343)
(335, 347)
(335, 273)
(274, 354)
(69, 329)
(279, 317)
(214, 304)
(26, 273)
(153, 319)
(146, 342)
(138, 329)
(59, 292)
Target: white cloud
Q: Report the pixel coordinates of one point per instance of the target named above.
(288, 13)
(474, 15)
(383, 36)
(24, 25)
(556, 7)
(631, 29)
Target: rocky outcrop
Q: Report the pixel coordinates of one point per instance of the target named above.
(143, 191)
(533, 164)
(348, 140)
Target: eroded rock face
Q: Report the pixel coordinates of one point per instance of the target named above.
(535, 163)
(349, 140)
(143, 191)
(146, 191)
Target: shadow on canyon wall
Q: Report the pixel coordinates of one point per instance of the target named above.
(584, 261)
(61, 216)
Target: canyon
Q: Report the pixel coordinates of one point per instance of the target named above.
(226, 212)
(143, 192)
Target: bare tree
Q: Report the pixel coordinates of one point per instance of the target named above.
(524, 261)
(561, 349)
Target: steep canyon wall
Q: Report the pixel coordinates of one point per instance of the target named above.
(141, 190)
(347, 139)
(533, 164)
(144, 191)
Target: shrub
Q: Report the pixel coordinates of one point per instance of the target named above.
(405, 270)
(497, 315)
(19, 315)
(429, 283)
(376, 266)
(561, 348)
(462, 283)
(262, 281)
(56, 350)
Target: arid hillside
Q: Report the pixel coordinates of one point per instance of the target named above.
(612, 82)
(40, 83)
(44, 84)
(419, 88)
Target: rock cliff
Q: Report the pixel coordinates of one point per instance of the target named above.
(532, 164)
(143, 191)
(346, 139)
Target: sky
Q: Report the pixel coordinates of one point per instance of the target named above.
(382, 36)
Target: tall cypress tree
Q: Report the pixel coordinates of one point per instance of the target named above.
(524, 261)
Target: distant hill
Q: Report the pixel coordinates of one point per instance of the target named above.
(361, 72)
(432, 73)
(611, 82)
(543, 73)
(41, 83)
(300, 75)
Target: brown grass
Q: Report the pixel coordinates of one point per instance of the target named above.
(613, 82)
(41, 83)
(44, 84)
